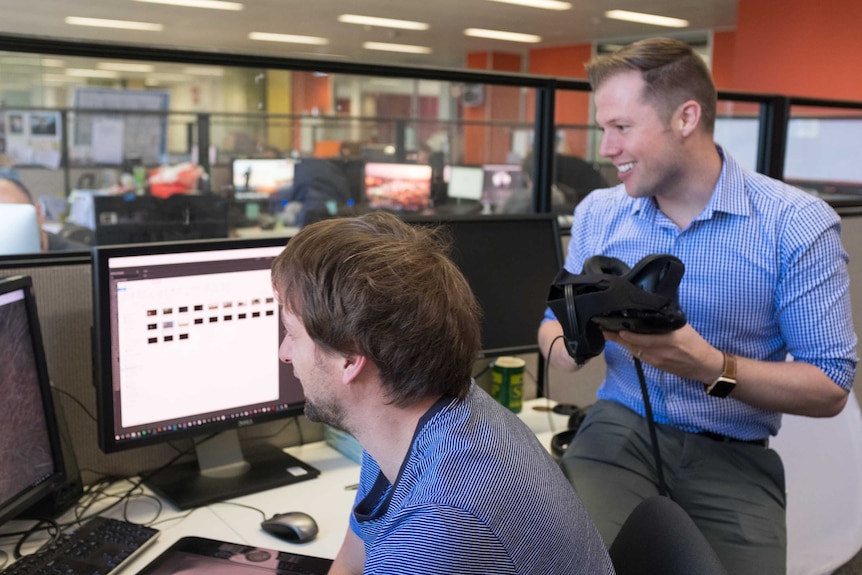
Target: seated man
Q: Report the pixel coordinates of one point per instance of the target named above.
(382, 329)
(14, 192)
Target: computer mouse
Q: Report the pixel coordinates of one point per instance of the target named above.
(294, 527)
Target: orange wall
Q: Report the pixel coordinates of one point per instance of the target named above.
(481, 144)
(571, 107)
(798, 48)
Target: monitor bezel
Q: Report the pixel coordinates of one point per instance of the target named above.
(19, 504)
(103, 372)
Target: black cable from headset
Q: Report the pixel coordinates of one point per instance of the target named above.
(662, 486)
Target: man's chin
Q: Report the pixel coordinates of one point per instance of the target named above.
(312, 414)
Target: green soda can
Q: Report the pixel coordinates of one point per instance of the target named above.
(507, 382)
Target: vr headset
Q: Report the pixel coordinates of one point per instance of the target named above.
(608, 295)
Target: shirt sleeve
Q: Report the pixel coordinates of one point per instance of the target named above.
(813, 294)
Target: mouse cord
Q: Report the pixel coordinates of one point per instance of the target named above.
(662, 486)
(240, 505)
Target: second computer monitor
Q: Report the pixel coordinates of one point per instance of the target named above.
(402, 187)
(500, 181)
(19, 231)
(261, 176)
(464, 182)
(186, 342)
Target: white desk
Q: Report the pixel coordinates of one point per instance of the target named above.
(328, 498)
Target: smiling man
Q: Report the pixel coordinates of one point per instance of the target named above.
(382, 330)
(765, 277)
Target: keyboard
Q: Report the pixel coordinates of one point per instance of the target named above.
(98, 547)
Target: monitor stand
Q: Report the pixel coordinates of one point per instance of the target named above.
(223, 470)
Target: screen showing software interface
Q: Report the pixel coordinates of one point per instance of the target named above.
(195, 340)
(25, 448)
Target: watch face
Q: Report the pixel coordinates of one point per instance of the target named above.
(722, 388)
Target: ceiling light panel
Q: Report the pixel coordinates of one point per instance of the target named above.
(542, 4)
(288, 38)
(382, 22)
(210, 4)
(405, 48)
(642, 18)
(121, 24)
(87, 73)
(203, 71)
(125, 67)
(501, 35)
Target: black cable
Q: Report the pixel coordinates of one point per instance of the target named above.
(662, 486)
(76, 400)
(37, 527)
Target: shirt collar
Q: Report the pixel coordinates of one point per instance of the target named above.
(729, 194)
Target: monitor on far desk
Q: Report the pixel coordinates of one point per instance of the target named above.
(19, 231)
(256, 177)
(186, 345)
(464, 183)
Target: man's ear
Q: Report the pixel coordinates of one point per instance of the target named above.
(687, 117)
(352, 367)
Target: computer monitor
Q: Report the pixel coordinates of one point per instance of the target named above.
(510, 261)
(129, 218)
(261, 176)
(19, 231)
(30, 450)
(186, 345)
(402, 187)
(464, 182)
(500, 181)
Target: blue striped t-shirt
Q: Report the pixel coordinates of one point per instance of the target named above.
(476, 495)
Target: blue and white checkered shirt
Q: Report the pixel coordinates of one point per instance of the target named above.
(765, 276)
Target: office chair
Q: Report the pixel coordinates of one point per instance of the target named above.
(659, 537)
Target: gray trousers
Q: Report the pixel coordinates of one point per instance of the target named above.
(734, 492)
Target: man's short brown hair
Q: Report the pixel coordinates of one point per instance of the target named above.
(673, 73)
(379, 287)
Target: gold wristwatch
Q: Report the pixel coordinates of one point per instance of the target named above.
(725, 383)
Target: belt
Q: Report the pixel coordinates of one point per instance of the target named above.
(764, 443)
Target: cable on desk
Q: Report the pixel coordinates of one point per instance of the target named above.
(177, 518)
(51, 524)
(240, 505)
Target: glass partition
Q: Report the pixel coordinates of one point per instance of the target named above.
(106, 144)
(823, 154)
(737, 130)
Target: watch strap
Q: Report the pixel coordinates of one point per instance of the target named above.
(725, 383)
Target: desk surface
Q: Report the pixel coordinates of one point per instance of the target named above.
(328, 498)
